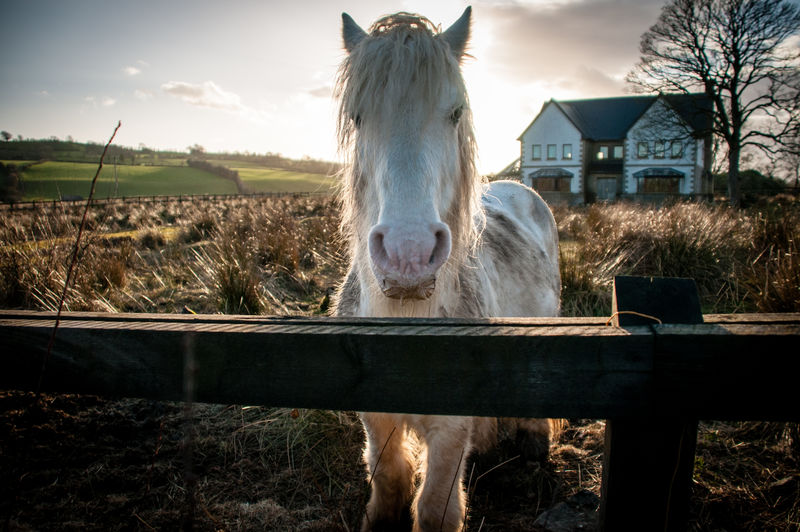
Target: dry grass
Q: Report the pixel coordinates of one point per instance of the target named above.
(268, 255)
(742, 261)
(280, 469)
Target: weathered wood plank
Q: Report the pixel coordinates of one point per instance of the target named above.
(734, 371)
(662, 444)
(534, 367)
(6, 314)
(456, 368)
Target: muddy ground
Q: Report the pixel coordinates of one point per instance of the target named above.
(71, 462)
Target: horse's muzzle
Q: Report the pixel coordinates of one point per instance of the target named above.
(396, 290)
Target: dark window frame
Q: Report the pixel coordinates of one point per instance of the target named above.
(660, 149)
(551, 184)
(658, 185)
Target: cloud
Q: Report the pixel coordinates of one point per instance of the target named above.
(106, 101)
(601, 83)
(570, 42)
(143, 95)
(131, 71)
(206, 94)
(321, 92)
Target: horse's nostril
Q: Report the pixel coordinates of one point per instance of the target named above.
(441, 248)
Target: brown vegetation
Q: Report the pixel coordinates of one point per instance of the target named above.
(266, 255)
(74, 462)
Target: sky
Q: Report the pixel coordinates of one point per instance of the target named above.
(257, 76)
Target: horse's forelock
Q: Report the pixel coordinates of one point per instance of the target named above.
(404, 20)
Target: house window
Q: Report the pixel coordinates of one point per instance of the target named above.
(536, 152)
(551, 151)
(618, 152)
(676, 149)
(659, 185)
(602, 153)
(551, 184)
(566, 152)
(660, 149)
(642, 149)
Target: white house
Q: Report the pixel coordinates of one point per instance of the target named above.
(637, 147)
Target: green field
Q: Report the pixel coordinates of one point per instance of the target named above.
(260, 179)
(51, 180)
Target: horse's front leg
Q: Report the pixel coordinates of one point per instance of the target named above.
(390, 469)
(441, 503)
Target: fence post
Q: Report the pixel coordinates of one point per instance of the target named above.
(648, 463)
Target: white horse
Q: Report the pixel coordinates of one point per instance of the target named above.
(428, 239)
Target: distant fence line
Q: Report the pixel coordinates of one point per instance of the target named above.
(97, 202)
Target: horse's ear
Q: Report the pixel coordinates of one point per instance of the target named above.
(457, 35)
(351, 32)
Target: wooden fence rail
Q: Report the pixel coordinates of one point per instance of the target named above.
(652, 382)
(730, 367)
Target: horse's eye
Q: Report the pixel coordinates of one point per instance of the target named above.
(455, 114)
(356, 120)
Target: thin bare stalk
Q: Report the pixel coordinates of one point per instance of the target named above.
(372, 474)
(450, 493)
(73, 261)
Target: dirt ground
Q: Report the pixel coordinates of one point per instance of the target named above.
(72, 462)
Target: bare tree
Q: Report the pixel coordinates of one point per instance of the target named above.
(789, 161)
(740, 55)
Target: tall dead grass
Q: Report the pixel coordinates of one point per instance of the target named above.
(282, 255)
(266, 255)
(740, 260)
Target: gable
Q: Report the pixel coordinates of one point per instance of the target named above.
(697, 110)
(659, 121)
(552, 123)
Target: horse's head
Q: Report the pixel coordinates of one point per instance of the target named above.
(404, 119)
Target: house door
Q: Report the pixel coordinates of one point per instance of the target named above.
(606, 188)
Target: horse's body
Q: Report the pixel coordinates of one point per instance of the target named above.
(428, 239)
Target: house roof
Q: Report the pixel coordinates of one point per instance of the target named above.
(611, 118)
(605, 118)
(696, 109)
(658, 172)
(551, 172)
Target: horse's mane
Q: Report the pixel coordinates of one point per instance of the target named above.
(402, 60)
